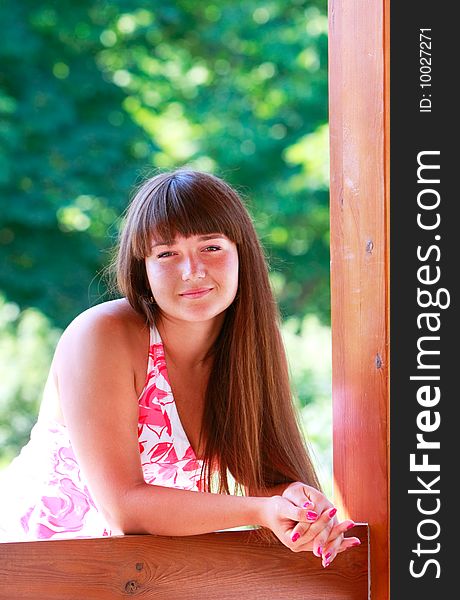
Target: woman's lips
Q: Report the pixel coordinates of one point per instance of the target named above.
(196, 293)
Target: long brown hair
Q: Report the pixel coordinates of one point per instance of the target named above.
(250, 423)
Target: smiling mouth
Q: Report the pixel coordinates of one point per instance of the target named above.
(198, 293)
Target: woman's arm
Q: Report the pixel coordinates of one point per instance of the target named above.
(96, 381)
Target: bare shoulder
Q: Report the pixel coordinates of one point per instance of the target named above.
(111, 326)
(114, 316)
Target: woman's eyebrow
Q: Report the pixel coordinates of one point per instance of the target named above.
(161, 243)
(212, 236)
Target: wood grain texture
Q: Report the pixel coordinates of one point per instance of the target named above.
(221, 566)
(359, 113)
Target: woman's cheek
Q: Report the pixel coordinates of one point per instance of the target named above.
(159, 276)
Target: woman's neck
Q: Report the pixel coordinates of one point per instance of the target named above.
(187, 344)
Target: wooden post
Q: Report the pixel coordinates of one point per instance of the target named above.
(359, 141)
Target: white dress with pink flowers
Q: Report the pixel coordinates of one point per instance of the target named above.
(43, 494)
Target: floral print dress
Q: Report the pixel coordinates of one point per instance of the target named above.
(43, 493)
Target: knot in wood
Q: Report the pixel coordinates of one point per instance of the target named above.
(131, 587)
(378, 361)
(369, 246)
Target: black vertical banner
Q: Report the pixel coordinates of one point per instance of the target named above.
(424, 258)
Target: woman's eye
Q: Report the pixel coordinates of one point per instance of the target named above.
(212, 248)
(164, 254)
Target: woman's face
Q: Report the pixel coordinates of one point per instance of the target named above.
(194, 278)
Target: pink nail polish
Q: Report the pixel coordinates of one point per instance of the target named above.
(320, 550)
(332, 512)
(307, 504)
(311, 515)
(358, 543)
(327, 564)
(295, 537)
(350, 526)
(328, 555)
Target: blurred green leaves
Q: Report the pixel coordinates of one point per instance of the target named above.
(26, 346)
(58, 145)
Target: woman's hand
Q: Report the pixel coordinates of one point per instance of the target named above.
(282, 516)
(321, 531)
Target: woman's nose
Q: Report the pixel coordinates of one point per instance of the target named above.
(193, 269)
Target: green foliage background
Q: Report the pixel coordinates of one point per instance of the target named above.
(96, 95)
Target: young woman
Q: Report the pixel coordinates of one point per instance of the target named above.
(163, 405)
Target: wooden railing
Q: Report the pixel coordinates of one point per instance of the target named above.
(221, 566)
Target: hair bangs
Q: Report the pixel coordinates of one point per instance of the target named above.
(179, 206)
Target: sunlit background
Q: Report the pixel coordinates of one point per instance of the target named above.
(94, 96)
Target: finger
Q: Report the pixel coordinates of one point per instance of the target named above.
(332, 546)
(290, 511)
(340, 528)
(337, 546)
(337, 542)
(297, 496)
(349, 542)
(302, 529)
(310, 497)
(319, 500)
(330, 550)
(308, 504)
(321, 530)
